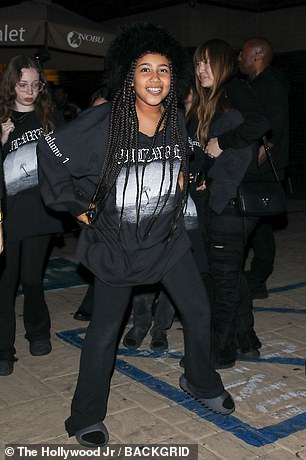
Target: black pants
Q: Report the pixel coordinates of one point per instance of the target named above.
(226, 236)
(263, 243)
(151, 304)
(24, 261)
(184, 285)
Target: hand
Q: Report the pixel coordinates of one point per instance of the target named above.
(201, 187)
(6, 129)
(1, 239)
(212, 148)
(83, 218)
(262, 156)
(191, 178)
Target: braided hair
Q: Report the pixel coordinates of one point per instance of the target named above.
(123, 125)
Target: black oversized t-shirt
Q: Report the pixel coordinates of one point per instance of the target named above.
(25, 213)
(70, 161)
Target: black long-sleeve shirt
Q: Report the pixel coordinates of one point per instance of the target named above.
(271, 89)
(255, 124)
(70, 161)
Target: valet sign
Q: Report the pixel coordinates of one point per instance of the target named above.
(12, 35)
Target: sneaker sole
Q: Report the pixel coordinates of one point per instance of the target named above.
(213, 404)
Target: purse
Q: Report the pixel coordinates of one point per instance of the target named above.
(262, 198)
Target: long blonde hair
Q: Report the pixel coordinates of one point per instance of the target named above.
(223, 63)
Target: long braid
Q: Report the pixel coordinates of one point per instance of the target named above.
(162, 119)
(120, 137)
(154, 217)
(175, 138)
(130, 136)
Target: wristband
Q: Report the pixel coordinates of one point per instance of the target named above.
(1, 217)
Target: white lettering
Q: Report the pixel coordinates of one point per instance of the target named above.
(50, 141)
(12, 35)
(75, 39)
(91, 38)
(157, 153)
(28, 136)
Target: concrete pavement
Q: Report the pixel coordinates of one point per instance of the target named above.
(146, 405)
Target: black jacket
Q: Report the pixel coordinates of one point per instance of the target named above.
(224, 174)
(70, 161)
(272, 89)
(255, 123)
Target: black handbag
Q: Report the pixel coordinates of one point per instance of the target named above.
(262, 198)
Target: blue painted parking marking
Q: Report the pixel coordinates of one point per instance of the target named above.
(287, 287)
(257, 437)
(281, 309)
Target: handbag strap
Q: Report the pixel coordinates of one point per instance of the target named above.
(269, 156)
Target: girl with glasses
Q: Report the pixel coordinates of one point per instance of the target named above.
(26, 112)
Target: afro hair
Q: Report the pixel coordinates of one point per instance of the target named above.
(132, 42)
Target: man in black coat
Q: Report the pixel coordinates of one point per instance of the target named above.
(271, 88)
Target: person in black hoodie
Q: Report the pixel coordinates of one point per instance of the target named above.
(134, 232)
(26, 112)
(224, 123)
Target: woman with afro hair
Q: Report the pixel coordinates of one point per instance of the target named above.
(121, 168)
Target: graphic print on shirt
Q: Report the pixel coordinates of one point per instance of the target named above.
(150, 188)
(190, 215)
(20, 169)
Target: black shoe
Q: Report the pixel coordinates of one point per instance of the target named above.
(93, 436)
(134, 338)
(159, 341)
(253, 353)
(6, 367)
(248, 345)
(260, 293)
(82, 315)
(222, 404)
(258, 289)
(40, 347)
(225, 358)
(224, 364)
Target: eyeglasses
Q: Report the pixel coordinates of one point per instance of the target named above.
(35, 86)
